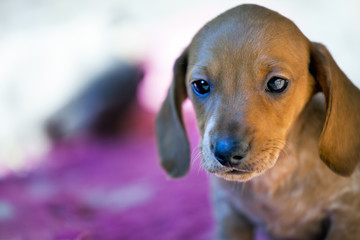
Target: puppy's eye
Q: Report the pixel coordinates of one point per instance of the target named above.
(201, 87)
(276, 85)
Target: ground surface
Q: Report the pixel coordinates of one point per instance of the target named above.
(115, 189)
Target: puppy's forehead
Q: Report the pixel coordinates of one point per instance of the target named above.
(247, 34)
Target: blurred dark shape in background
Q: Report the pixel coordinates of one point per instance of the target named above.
(101, 107)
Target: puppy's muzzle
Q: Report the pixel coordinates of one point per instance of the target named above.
(229, 151)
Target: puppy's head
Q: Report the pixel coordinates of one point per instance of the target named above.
(249, 73)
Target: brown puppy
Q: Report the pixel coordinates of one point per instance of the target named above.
(279, 124)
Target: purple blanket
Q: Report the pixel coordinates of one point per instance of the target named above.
(107, 190)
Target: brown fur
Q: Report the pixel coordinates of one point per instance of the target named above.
(281, 186)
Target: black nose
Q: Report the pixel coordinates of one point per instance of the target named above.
(229, 151)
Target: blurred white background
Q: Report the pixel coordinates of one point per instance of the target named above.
(50, 49)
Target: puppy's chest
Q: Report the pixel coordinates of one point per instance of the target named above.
(284, 214)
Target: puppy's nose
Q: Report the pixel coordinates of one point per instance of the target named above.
(228, 151)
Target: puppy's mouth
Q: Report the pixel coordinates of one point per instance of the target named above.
(238, 172)
(245, 171)
(237, 175)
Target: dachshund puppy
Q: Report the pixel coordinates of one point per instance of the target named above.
(279, 123)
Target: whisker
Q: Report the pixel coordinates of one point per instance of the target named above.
(280, 145)
(195, 155)
(195, 159)
(199, 169)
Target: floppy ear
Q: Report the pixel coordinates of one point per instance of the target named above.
(339, 143)
(173, 144)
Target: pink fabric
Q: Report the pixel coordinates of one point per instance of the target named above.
(108, 190)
